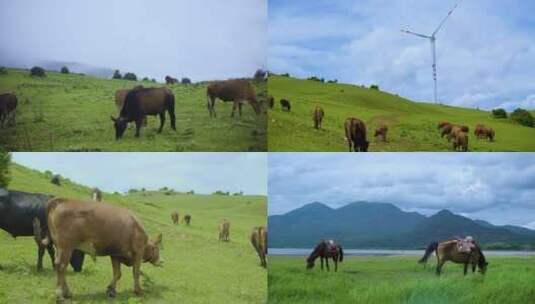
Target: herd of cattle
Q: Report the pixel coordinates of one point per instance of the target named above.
(356, 133)
(69, 228)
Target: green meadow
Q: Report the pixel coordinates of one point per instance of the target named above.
(412, 125)
(385, 280)
(71, 112)
(197, 267)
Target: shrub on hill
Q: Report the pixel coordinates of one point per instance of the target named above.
(3, 71)
(499, 113)
(64, 70)
(260, 75)
(285, 75)
(145, 78)
(219, 192)
(374, 87)
(130, 76)
(185, 80)
(117, 75)
(37, 71)
(523, 117)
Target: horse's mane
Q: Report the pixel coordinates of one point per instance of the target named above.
(318, 247)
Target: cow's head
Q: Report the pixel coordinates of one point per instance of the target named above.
(120, 126)
(152, 251)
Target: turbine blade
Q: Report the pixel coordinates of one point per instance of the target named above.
(415, 34)
(446, 18)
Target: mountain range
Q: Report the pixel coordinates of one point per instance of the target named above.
(383, 225)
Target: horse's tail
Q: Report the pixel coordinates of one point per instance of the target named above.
(341, 253)
(430, 249)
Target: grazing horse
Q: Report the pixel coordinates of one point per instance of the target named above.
(238, 91)
(482, 131)
(317, 117)
(355, 130)
(224, 230)
(8, 107)
(145, 101)
(174, 217)
(24, 214)
(259, 242)
(96, 194)
(324, 250)
(456, 252)
(285, 105)
(187, 219)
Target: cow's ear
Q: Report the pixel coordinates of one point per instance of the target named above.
(158, 241)
(113, 119)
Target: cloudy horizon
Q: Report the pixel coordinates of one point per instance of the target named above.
(485, 53)
(495, 187)
(204, 173)
(201, 40)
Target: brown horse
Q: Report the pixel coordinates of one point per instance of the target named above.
(238, 91)
(355, 130)
(174, 217)
(187, 219)
(259, 242)
(482, 131)
(451, 251)
(317, 117)
(8, 106)
(224, 230)
(324, 250)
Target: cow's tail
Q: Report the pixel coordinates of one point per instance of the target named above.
(341, 253)
(170, 100)
(50, 207)
(428, 251)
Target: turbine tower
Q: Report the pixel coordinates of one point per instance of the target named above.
(432, 39)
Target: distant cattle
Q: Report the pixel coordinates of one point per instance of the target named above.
(259, 241)
(238, 91)
(8, 107)
(120, 96)
(24, 214)
(99, 230)
(285, 105)
(187, 219)
(317, 117)
(145, 101)
(381, 132)
(224, 230)
(355, 131)
(96, 194)
(271, 101)
(482, 131)
(170, 80)
(174, 217)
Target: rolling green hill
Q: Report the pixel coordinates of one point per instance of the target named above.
(412, 126)
(197, 267)
(71, 112)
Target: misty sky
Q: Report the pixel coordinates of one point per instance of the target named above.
(200, 39)
(497, 187)
(202, 172)
(486, 50)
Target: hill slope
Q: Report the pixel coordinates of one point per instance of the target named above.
(380, 225)
(71, 112)
(197, 267)
(412, 126)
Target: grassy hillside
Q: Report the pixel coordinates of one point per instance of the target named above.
(70, 112)
(197, 267)
(385, 280)
(412, 126)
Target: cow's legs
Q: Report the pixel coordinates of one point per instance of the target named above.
(136, 272)
(116, 265)
(62, 260)
(234, 106)
(162, 121)
(40, 253)
(138, 126)
(172, 118)
(51, 253)
(239, 107)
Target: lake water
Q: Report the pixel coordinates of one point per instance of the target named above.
(386, 252)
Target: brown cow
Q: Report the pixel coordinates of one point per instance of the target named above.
(174, 217)
(224, 230)
(442, 124)
(317, 117)
(120, 96)
(8, 107)
(259, 242)
(460, 141)
(238, 91)
(96, 194)
(356, 135)
(482, 131)
(99, 230)
(271, 101)
(381, 132)
(187, 219)
(449, 129)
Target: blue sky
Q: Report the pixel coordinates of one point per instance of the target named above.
(200, 39)
(497, 187)
(486, 50)
(202, 172)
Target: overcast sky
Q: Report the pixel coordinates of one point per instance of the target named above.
(497, 187)
(202, 172)
(486, 50)
(200, 39)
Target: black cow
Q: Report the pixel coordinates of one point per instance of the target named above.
(285, 105)
(24, 214)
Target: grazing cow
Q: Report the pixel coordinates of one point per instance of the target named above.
(442, 124)
(170, 80)
(187, 219)
(381, 132)
(271, 101)
(99, 230)
(145, 101)
(8, 107)
(238, 91)
(259, 242)
(96, 194)
(446, 130)
(23, 214)
(285, 105)
(482, 131)
(224, 230)
(174, 217)
(460, 141)
(317, 117)
(355, 130)
(120, 96)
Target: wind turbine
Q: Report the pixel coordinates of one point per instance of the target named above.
(432, 39)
